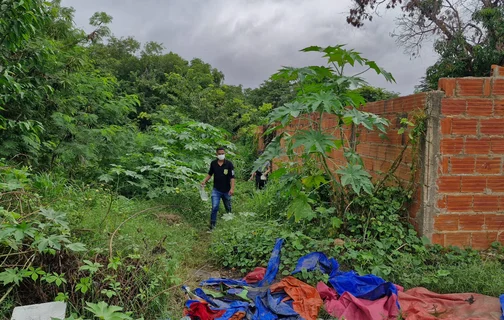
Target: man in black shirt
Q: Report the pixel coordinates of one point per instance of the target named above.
(223, 184)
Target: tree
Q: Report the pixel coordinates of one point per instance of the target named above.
(27, 70)
(371, 94)
(307, 149)
(469, 35)
(99, 20)
(275, 92)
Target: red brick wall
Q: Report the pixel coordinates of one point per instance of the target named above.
(470, 182)
(379, 153)
(460, 199)
(378, 150)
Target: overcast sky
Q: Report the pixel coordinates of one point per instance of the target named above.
(249, 40)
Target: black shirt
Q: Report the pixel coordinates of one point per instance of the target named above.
(222, 175)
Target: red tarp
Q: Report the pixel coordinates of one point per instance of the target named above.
(202, 311)
(255, 276)
(422, 304)
(352, 308)
(416, 304)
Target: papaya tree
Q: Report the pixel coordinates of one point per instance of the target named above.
(305, 150)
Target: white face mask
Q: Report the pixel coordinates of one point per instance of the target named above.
(221, 156)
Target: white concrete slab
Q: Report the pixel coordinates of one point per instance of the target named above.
(43, 311)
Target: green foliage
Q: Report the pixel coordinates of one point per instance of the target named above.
(166, 81)
(373, 237)
(166, 159)
(467, 36)
(109, 138)
(102, 310)
(20, 22)
(460, 57)
(371, 94)
(77, 109)
(379, 216)
(275, 92)
(42, 260)
(250, 241)
(323, 92)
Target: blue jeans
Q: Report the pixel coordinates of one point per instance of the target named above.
(216, 197)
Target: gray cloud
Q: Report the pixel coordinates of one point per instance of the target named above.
(251, 39)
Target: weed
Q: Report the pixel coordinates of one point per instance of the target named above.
(374, 238)
(140, 268)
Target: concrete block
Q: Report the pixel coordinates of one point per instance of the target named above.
(43, 311)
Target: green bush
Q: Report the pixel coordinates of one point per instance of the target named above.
(244, 241)
(85, 245)
(374, 238)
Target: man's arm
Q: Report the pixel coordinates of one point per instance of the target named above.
(268, 168)
(232, 180)
(209, 175)
(232, 186)
(206, 180)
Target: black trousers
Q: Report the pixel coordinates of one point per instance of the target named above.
(260, 184)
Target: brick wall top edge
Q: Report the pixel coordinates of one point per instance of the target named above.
(420, 94)
(448, 85)
(497, 71)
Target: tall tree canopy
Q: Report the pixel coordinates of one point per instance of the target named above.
(469, 35)
(81, 102)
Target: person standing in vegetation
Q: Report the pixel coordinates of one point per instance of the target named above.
(261, 174)
(223, 184)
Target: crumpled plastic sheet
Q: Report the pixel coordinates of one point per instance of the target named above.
(346, 294)
(349, 307)
(229, 282)
(306, 300)
(369, 287)
(268, 278)
(317, 261)
(265, 304)
(273, 264)
(255, 276)
(501, 298)
(422, 304)
(202, 310)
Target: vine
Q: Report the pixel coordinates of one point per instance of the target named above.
(418, 127)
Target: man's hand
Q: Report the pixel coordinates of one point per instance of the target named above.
(203, 183)
(231, 192)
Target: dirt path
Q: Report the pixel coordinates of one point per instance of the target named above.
(195, 271)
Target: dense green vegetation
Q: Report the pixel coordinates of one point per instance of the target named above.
(103, 141)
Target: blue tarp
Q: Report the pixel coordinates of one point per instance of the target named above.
(272, 306)
(234, 307)
(501, 298)
(273, 264)
(262, 312)
(216, 303)
(266, 306)
(278, 307)
(270, 276)
(229, 282)
(369, 287)
(317, 261)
